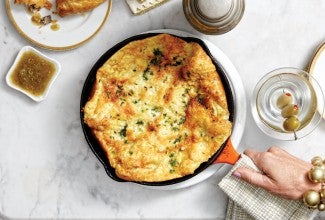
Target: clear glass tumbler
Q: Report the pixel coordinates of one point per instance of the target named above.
(304, 92)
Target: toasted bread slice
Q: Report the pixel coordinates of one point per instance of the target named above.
(69, 7)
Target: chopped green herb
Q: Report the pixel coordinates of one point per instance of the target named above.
(181, 121)
(146, 72)
(139, 122)
(176, 61)
(172, 161)
(144, 76)
(123, 131)
(200, 98)
(177, 140)
(131, 93)
(157, 59)
(157, 52)
(185, 105)
(156, 109)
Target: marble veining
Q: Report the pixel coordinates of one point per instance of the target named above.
(47, 170)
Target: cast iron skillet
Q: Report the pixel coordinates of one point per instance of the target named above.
(95, 146)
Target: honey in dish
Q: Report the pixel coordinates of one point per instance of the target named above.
(33, 73)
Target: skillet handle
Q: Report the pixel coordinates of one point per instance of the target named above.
(228, 155)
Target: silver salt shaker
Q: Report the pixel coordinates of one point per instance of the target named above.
(213, 16)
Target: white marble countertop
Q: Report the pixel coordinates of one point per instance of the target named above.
(46, 167)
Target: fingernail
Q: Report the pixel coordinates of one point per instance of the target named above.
(236, 174)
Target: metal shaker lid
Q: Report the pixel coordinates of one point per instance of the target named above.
(213, 16)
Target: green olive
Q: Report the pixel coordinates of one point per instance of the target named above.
(284, 99)
(290, 110)
(291, 124)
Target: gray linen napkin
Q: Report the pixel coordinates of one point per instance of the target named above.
(250, 202)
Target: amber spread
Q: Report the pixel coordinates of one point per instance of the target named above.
(55, 26)
(33, 73)
(36, 19)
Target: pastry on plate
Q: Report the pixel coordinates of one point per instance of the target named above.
(158, 109)
(68, 7)
(35, 3)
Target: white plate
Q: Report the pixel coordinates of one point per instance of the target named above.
(10, 72)
(74, 29)
(317, 69)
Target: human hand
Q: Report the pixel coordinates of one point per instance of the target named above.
(283, 174)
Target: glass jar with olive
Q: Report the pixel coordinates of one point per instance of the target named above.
(285, 102)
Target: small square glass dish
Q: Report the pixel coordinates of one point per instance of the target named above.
(33, 73)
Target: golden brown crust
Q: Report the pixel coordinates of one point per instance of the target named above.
(37, 3)
(69, 7)
(158, 109)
